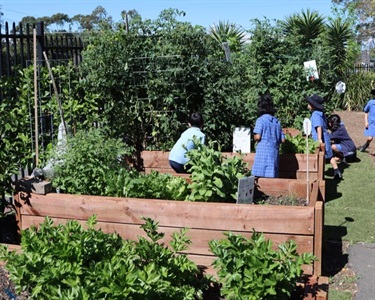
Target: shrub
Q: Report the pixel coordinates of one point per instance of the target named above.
(297, 144)
(213, 176)
(130, 183)
(69, 262)
(251, 269)
(85, 162)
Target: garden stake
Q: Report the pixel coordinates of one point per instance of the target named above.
(307, 131)
(35, 102)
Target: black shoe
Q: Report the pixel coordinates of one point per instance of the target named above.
(338, 176)
(343, 161)
(361, 149)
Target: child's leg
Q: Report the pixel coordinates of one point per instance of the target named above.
(336, 171)
(365, 145)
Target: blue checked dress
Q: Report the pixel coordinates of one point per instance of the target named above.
(266, 160)
(318, 119)
(370, 110)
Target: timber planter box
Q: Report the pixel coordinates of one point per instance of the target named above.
(293, 166)
(206, 221)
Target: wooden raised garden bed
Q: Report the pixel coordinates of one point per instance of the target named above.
(293, 166)
(206, 221)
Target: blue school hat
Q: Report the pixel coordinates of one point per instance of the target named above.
(316, 101)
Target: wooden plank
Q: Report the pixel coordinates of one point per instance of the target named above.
(216, 216)
(159, 160)
(322, 288)
(318, 236)
(199, 237)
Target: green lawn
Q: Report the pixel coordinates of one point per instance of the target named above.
(350, 203)
(349, 216)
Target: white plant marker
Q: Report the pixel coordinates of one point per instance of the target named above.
(307, 132)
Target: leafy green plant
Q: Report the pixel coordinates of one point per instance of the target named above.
(70, 262)
(15, 144)
(251, 269)
(81, 167)
(213, 176)
(297, 144)
(130, 183)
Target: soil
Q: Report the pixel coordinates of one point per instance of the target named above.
(281, 200)
(342, 277)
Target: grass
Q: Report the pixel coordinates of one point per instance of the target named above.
(350, 203)
(349, 217)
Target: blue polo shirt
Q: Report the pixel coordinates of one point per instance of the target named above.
(178, 152)
(318, 119)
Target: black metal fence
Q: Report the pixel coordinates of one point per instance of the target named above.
(364, 68)
(17, 46)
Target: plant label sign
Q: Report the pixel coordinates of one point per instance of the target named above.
(311, 70)
(307, 126)
(242, 139)
(245, 191)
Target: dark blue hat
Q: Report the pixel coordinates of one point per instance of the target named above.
(316, 101)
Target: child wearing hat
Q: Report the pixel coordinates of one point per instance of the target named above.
(369, 132)
(319, 130)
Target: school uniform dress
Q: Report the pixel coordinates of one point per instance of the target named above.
(341, 137)
(266, 160)
(370, 110)
(318, 119)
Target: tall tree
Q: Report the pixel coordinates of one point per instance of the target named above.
(364, 10)
(98, 19)
(308, 25)
(230, 33)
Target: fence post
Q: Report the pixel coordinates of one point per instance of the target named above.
(40, 40)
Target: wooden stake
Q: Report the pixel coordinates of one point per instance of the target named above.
(36, 102)
(56, 92)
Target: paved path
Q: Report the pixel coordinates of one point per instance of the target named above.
(362, 261)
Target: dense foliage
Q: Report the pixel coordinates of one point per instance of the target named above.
(70, 262)
(252, 269)
(14, 138)
(90, 163)
(66, 261)
(298, 144)
(214, 177)
(82, 164)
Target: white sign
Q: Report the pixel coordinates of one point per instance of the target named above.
(307, 126)
(311, 70)
(245, 191)
(340, 87)
(242, 140)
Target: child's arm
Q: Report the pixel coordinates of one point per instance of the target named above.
(320, 134)
(366, 120)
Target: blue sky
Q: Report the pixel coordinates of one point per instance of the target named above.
(198, 12)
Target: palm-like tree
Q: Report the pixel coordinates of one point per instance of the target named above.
(230, 33)
(339, 34)
(308, 25)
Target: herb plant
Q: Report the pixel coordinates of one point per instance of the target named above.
(82, 166)
(131, 183)
(251, 269)
(213, 176)
(69, 262)
(297, 144)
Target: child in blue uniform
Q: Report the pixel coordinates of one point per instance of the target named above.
(268, 133)
(342, 145)
(319, 130)
(369, 132)
(177, 156)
